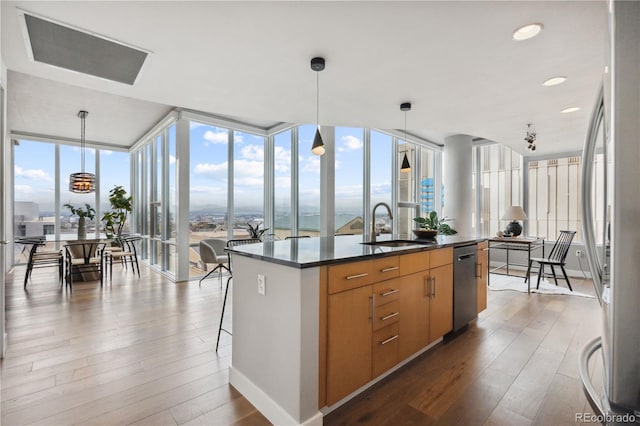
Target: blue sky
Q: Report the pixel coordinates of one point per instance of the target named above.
(35, 170)
(35, 173)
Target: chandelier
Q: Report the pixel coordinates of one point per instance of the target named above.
(82, 182)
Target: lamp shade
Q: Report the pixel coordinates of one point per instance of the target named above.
(514, 213)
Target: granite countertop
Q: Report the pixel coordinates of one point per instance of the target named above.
(318, 251)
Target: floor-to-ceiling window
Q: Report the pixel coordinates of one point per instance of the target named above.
(209, 154)
(282, 146)
(381, 178)
(349, 175)
(37, 187)
(248, 183)
(554, 196)
(500, 182)
(308, 183)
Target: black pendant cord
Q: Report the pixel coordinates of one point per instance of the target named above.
(318, 99)
(82, 127)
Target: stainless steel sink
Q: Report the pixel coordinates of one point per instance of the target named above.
(395, 243)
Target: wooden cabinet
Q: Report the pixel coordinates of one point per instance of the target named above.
(482, 275)
(414, 305)
(379, 312)
(441, 301)
(349, 341)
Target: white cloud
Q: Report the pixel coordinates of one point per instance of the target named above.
(282, 159)
(105, 152)
(24, 189)
(172, 159)
(36, 174)
(350, 143)
(215, 137)
(211, 169)
(252, 152)
(311, 164)
(283, 182)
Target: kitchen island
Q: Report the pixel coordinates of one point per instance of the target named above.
(318, 320)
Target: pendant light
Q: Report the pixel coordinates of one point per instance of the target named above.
(406, 167)
(82, 183)
(317, 64)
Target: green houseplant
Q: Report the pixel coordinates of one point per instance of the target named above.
(83, 214)
(434, 224)
(121, 206)
(255, 231)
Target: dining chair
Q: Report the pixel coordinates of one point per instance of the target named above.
(557, 257)
(84, 260)
(40, 258)
(231, 244)
(125, 252)
(212, 250)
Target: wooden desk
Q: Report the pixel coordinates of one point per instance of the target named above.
(527, 244)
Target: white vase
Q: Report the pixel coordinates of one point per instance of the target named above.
(82, 228)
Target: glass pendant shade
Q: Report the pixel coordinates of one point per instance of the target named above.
(82, 182)
(406, 167)
(318, 144)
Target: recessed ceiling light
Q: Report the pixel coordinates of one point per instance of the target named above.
(526, 32)
(570, 109)
(553, 81)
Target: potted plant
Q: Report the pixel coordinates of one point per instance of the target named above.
(121, 206)
(255, 231)
(431, 226)
(83, 214)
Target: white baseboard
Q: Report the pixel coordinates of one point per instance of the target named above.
(267, 406)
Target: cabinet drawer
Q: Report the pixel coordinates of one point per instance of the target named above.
(386, 314)
(385, 268)
(441, 257)
(350, 275)
(386, 291)
(414, 262)
(385, 349)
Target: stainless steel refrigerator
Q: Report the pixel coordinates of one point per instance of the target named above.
(611, 221)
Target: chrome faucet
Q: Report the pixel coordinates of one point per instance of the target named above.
(373, 219)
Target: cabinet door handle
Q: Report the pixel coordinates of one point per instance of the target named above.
(395, 314)
(433, 291)
(390, 339)
(393, 268)
(390, 292)
(373, 306)
(351, 277)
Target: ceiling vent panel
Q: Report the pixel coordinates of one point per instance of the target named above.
(64, 47)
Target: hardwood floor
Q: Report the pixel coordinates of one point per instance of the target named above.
(141, 351)
(138, 351)
(517, 365)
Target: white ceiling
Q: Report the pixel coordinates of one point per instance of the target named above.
(455, 61)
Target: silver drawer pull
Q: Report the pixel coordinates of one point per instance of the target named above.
(351, 277)
(390, 292)
(390, 339)
(393, 268)
(395, 314)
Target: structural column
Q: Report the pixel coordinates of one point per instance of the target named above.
(457, 181)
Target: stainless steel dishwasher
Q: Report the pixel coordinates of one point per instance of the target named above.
(465, 290)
